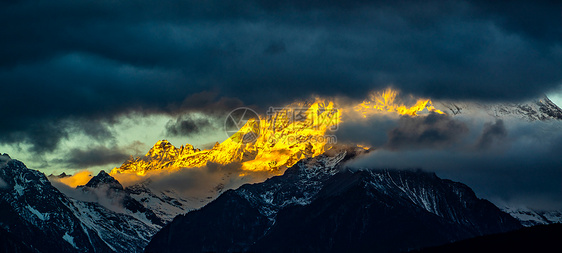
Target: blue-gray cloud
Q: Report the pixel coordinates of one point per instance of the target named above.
(523, 168)
(93, 61)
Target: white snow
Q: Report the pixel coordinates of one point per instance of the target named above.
(39, 215)
(529, 217)
(69, 239)
(19, 189)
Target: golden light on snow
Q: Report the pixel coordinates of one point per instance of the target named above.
(80, 178)
(278, 140)
(386, 101)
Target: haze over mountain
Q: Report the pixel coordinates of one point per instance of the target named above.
(142, 111)
(173, 69)
(152, 199)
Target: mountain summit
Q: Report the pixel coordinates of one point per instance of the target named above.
(283, 138)
(319, 206)
(538, 109)
(104, 179)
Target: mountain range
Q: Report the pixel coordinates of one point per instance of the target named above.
(47, 220)
(312, 202)
(318, 206)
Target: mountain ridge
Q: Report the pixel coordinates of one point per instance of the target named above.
(323, 199)
(47, 220)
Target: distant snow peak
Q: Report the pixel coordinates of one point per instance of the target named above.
(530, 217)
(539, 109)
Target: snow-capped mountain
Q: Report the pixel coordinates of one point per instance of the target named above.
(104, 218)
(108, 192)
(317, 205)
(41, 216)
(281, 139)
(530, 217)
(540, 109)
(165, 204)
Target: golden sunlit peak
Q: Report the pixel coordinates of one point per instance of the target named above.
(387, 102)
(259, 143)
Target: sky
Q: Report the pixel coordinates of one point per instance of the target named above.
(87, 84)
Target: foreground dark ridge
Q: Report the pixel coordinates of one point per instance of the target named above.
(540, 238)
(317, 206)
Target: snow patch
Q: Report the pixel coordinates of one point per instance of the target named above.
(69, 239)
(19, 189)
(529, 217)
(39, 215)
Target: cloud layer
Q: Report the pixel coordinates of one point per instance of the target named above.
(515, 162)
(84, 61)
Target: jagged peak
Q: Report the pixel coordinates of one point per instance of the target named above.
(163, 144)
(217, 144)
(104, 179)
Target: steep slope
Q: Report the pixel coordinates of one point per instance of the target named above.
(120, 220)
(100, 217)
(39, 215)
(9, 243)
(108, 192)
(384, 211)
(318, 207)
(165, 204)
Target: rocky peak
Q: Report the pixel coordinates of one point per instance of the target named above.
(104, 179)
(549, 108)
(162, 148)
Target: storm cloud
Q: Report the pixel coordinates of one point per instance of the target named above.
(72, 60)
(523, 169)
(187, 125)
(434, 130)
(100, 155)
(491, 132)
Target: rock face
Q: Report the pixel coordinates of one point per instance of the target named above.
(317, 206)
(41, 216)
(43, 219)
(11, 244)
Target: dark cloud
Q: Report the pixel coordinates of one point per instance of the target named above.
(209, 102)
(185, 126)
(98, 60)
(491, 132)
(372, 131)
(433, 131)
(525, 171)
(95, 156)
